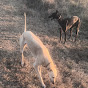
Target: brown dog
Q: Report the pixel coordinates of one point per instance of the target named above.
(67, 23)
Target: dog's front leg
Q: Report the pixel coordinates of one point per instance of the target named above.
(38, 71)
(65, 37)
(70, 38)
(60, 34)
(22, 60)
(22, 49)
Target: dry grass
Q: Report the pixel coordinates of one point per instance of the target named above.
(71, 58)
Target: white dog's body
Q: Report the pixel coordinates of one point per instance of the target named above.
(40, 53)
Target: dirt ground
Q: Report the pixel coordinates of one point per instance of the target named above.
(71, 58)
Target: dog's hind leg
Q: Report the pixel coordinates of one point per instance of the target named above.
(64, 37)
(22, 60)
(77, 28)
(76, 33)
(38, 70)
(70, 38)
(22, 46)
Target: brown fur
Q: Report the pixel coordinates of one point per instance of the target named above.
(67, 23)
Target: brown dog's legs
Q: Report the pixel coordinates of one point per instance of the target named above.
(76, 34)
(60, 34)
(77, 28)
(65, 37)
(71, 34)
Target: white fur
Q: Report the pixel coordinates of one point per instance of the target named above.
(40, 53)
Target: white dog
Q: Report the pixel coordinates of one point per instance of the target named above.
(40, 53)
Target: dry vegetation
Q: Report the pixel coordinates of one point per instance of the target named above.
(71, 58)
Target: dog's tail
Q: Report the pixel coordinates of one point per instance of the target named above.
(25, 22)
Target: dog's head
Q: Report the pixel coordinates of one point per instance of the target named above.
(55, 15)
(52, 76)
